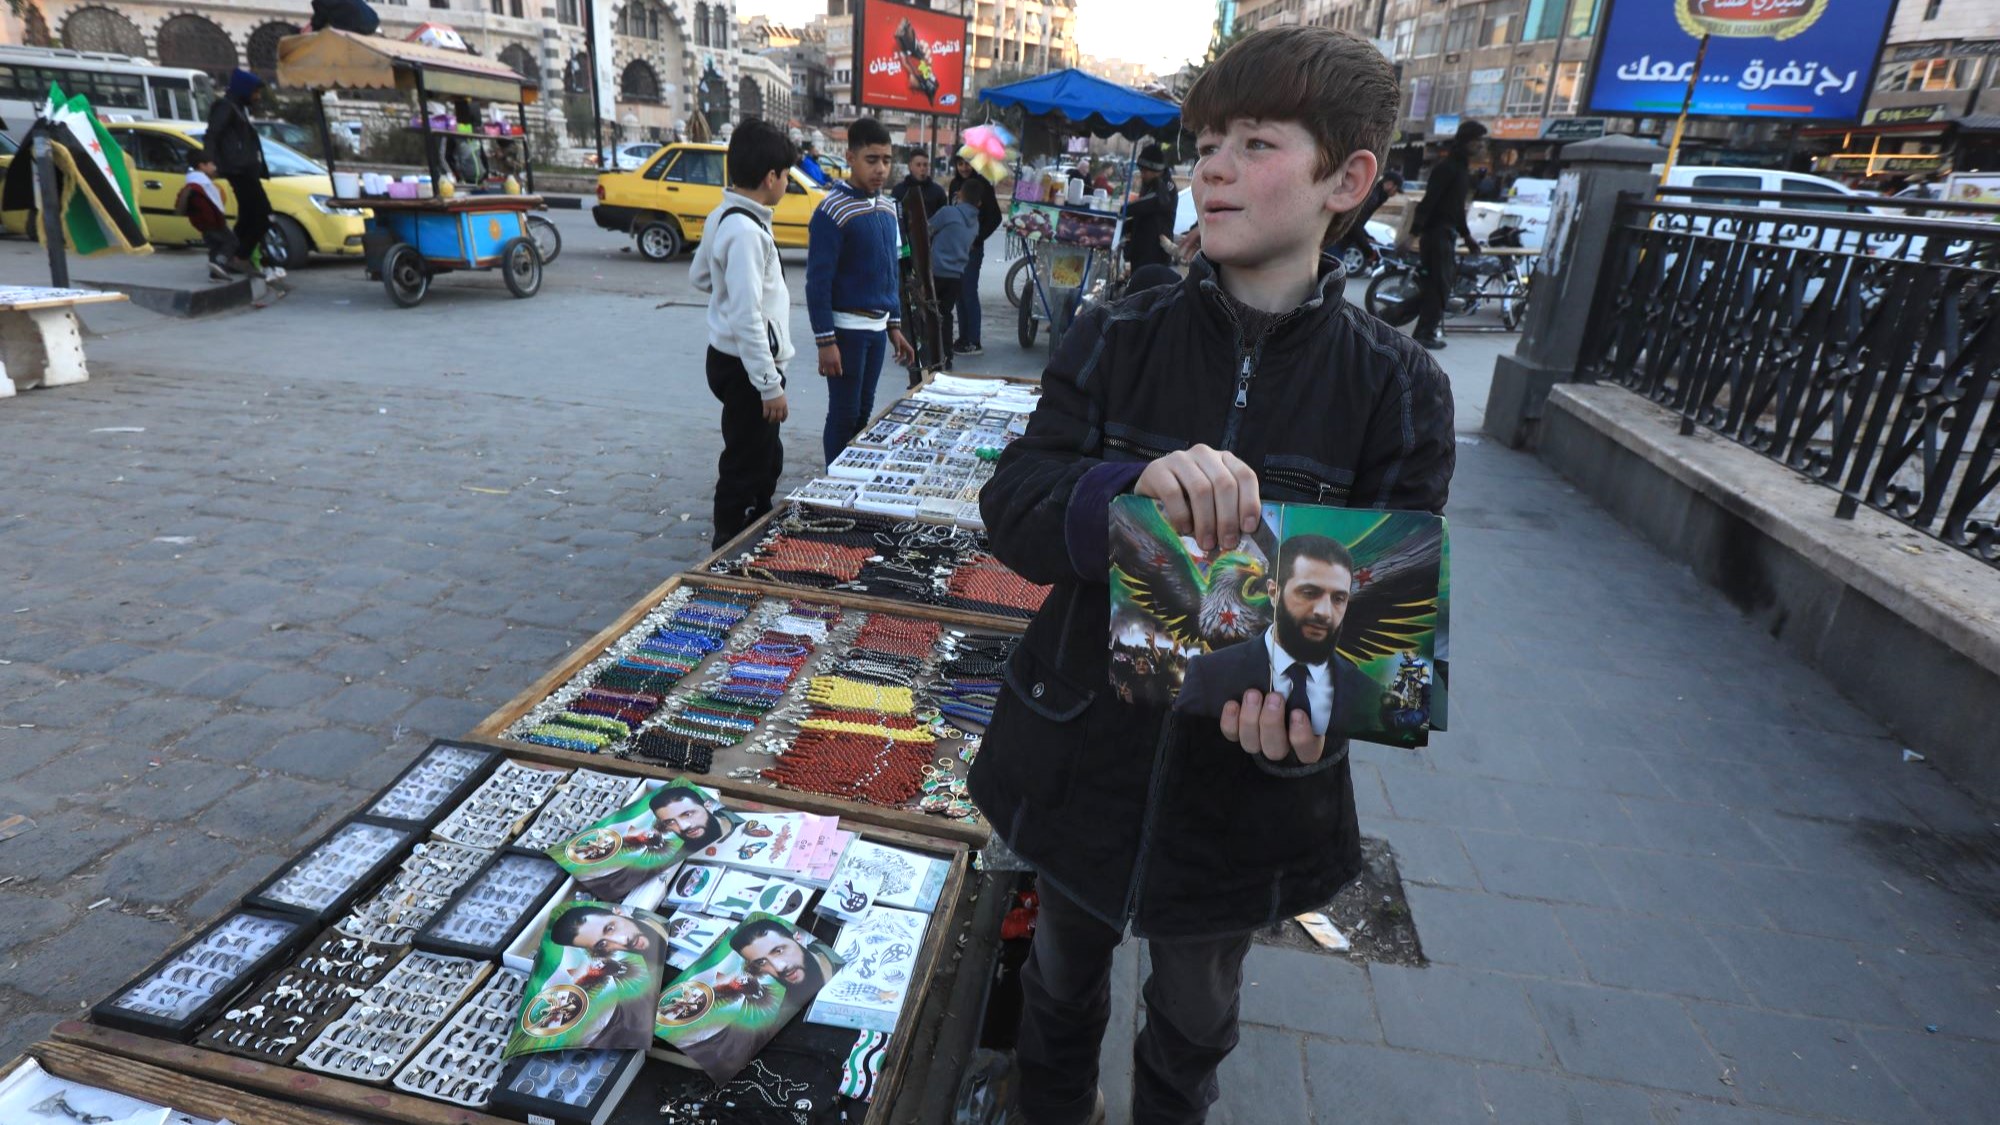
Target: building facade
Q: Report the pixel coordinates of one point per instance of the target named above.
(665, 58)
(1935, 108)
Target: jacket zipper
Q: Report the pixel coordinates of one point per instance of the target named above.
(1246, 370)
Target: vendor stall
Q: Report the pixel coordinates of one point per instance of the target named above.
(425, 227)
(1072, 238)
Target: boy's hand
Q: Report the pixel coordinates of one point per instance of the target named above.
(776, 410)
(1259, 725)
(904, 352)
(1207, 493)
(829, 360)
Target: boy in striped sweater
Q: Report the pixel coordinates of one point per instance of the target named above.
(851, 284)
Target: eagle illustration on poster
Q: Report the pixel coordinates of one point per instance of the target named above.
(1171, 603)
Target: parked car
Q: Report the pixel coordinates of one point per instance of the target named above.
(289, 133)
(627, 157)
(664, 203)
(303, 222)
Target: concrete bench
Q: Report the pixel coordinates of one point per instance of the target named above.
(41, 344)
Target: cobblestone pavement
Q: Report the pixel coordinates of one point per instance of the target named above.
(1662, 872)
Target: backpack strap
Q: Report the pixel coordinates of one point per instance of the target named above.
(746, 213)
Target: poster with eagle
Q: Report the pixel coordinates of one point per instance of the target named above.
(1343, 611)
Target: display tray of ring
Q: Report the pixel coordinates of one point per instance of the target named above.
(810, 692)
(342, 1026)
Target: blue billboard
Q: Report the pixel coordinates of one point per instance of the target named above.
(1800, 60)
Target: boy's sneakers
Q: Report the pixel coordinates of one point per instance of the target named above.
(968, 349)
(216, 272)
(1434, 341)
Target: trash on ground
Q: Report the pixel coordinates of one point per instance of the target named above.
(1910, 755)
(1322, 930)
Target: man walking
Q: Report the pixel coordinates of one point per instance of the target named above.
(1151, 216)
(239, 158)
(1441, 225)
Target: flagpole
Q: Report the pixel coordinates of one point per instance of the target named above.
(51, 202)
(1687, 102)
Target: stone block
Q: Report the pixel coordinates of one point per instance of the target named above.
(103, 656)
(1649, 954)
(226, 679)
(271, 810)
(1540, 1097)
(1525, 867)
(101, 951)
(1700, 830)
(1673, 886)
(165, 867)
(439, 717)
(1803, 1065)
(1360, 1082)
(1465, 1012)
(1427, 853)
(325, 754)
(1568, 814)
(1460, 802)
(60, 845)
(1625, 1037)
(288, 690)
(1308, 992)
(1489, 932)
(1952, 1078)
(365, 704)
(1812, 976)
(1263, 1080)
(173, 792)
(234, 738)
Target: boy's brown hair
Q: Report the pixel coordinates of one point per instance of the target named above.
(1333, 83)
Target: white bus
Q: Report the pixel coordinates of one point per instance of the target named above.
(118, 86)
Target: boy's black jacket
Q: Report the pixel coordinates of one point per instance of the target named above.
(1137, 815)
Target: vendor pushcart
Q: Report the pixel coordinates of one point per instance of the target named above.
(425, 227)
(1072, 242)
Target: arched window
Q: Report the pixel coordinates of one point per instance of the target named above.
(197, 43)
(263, 48)
(521, 60)
(713, 97)
(639, 83)
(720, 37)
(750, 97)
(576, 75)
(101, 29)
(701, 24)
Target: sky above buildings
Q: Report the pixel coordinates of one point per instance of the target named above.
(1161, 34)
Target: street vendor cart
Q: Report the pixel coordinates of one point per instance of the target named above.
(1070, 245)
(422, 228)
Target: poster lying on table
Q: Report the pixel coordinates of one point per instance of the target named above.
(722, 1009)
(597, 974)
(645, 839)
(1344, 611)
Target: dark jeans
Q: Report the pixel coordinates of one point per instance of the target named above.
(968, 296)
(1436, 251)
(1191, 1004)
(950, 291)
(850, 398)
(253, 212)
(753, 455)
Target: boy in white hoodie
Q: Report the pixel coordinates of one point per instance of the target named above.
(749, 324)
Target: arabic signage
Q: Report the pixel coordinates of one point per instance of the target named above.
(1903, 115)
(1882, 165)
(1800, 60)
(1956, 49)
(1515, 128)
(908, 58)
(1573, 128)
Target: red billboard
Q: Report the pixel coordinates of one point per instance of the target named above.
(908, 58)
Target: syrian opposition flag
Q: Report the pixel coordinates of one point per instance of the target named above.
(98, 207)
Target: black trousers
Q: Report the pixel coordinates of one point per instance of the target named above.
(1437, 251)
(753, 455)
(948, 291)
(253, 212)
(1191, 998)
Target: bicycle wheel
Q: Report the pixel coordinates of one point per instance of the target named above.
(1017, 281)
(548, 240)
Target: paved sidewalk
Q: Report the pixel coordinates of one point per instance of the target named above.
(1661, 871)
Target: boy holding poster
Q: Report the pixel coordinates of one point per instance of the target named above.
(1253, 379)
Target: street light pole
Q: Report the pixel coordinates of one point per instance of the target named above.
(596, 96)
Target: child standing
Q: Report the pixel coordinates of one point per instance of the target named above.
(851, 284)
(749, 324)
(1252, 379)
(953, 230)
(201, 201)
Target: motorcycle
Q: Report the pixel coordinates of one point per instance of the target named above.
(1482, 279)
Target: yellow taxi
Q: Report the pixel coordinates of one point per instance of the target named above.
(664, 204)
(302, 220)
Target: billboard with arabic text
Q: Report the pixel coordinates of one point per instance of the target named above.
(908, 58)
(1799, 60)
